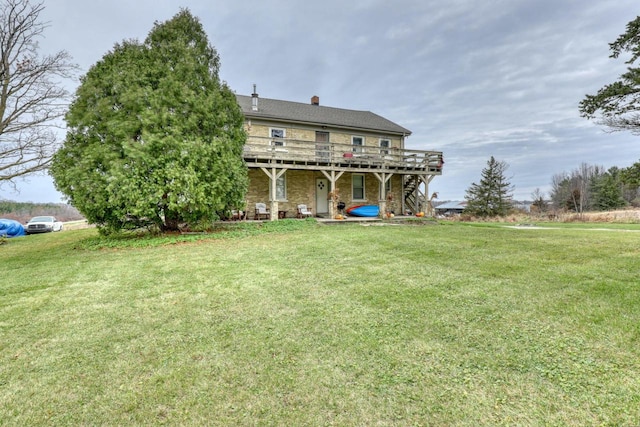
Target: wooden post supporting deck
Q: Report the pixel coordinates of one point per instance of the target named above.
(333, 177)
(383, 178)
(273, 175)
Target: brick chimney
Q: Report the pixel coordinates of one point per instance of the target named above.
(315, 100)
(254, 99)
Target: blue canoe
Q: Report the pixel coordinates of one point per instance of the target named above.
(364, 210)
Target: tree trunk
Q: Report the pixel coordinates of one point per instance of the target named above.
(171, 221)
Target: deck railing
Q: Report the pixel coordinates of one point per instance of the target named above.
(341, 155)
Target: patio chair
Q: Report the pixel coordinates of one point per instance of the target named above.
(237, 215)
(262, 212)
(303, 211)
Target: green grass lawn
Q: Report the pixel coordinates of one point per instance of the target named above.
(312, 325)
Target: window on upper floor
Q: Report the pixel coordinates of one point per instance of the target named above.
(385, 144)
(322, 136)
(323, 148)
(277, 136)
(358, 143)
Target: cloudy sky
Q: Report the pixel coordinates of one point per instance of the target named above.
(471, 78)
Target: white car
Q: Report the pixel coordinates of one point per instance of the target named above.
(43, 224)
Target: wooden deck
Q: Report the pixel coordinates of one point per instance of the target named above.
(319, 156)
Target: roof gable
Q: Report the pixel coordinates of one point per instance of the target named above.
(319, 115)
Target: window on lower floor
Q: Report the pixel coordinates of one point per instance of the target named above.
(357, 187)
(281, 188)
(387, 186)
(387, 189)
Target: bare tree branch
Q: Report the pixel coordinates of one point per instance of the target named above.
(32, 98)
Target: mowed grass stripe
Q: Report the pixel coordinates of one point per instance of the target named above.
(349, 325)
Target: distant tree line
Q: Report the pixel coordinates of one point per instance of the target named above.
(586, 188)
(22, 212)
(592, 188)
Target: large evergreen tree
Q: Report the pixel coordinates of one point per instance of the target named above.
(492, 196)
(617, 105)
(154, 136)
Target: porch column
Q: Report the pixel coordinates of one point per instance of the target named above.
(403, 204)
(429, 210)
(333, 178)
(383, 178)
(273, 175)
(425, 196)
(416, 194)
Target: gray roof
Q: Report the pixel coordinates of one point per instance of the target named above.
(454, 205)
(318, 115)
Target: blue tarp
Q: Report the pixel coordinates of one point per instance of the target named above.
(11, 228)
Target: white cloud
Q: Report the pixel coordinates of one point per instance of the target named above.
(473, 79)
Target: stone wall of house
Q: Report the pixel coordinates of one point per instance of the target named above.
(301, 189)
(259, 133)
(301, 184)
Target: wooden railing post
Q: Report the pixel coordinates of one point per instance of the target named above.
(259, 153)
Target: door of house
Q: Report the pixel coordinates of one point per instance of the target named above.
(322, 194)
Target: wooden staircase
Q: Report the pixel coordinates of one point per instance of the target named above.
(409, 194)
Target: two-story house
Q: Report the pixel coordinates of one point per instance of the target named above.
(309, 154)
